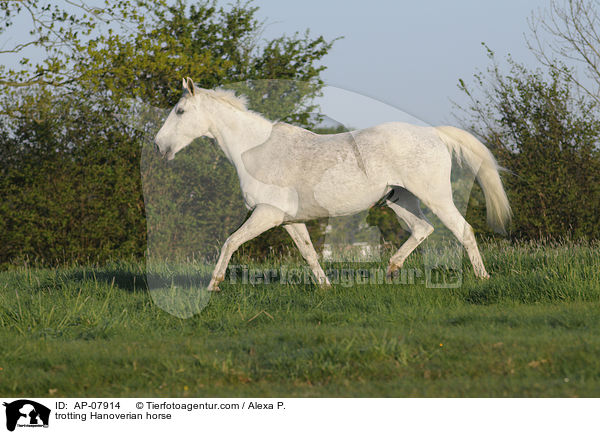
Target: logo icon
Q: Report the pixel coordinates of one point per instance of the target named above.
(26, 413)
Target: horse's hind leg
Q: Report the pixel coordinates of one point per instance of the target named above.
(444, 208)
(300, 235)
(406, 206)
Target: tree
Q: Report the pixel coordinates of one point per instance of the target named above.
(71, 168)
(546, 135)
(569, 30)
(62, 32)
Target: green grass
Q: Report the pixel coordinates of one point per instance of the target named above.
(533, 329)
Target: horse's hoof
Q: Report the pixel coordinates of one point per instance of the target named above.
(213, 286)
(389, 275)
(484, 276)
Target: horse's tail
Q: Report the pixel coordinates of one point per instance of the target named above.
(480, 160)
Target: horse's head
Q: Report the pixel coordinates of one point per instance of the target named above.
(187, 121)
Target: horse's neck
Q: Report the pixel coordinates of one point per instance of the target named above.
(236, 131)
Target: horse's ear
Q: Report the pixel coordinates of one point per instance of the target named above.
(183, 83)
(190, 86)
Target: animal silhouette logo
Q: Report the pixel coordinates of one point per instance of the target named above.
(26, 413)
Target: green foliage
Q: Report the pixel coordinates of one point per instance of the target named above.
(63, 32)
(71, 183)
(215, 46)
(546, 135)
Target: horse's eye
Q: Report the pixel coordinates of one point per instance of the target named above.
(179, 111)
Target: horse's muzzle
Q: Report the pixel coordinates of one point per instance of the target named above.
(159, 151)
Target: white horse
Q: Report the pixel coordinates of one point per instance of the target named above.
(289, 175)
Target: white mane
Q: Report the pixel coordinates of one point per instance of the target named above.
(228, 96)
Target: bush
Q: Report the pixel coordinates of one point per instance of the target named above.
(546, 135)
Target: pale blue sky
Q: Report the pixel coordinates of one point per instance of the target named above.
(406, 54)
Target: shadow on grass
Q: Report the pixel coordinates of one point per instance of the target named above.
(123, 279)
(131, 281)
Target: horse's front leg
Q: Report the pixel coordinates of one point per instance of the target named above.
(263, 218)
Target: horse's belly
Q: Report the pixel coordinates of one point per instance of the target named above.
(348, 195)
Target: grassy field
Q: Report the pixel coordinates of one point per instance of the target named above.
(533, 329)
